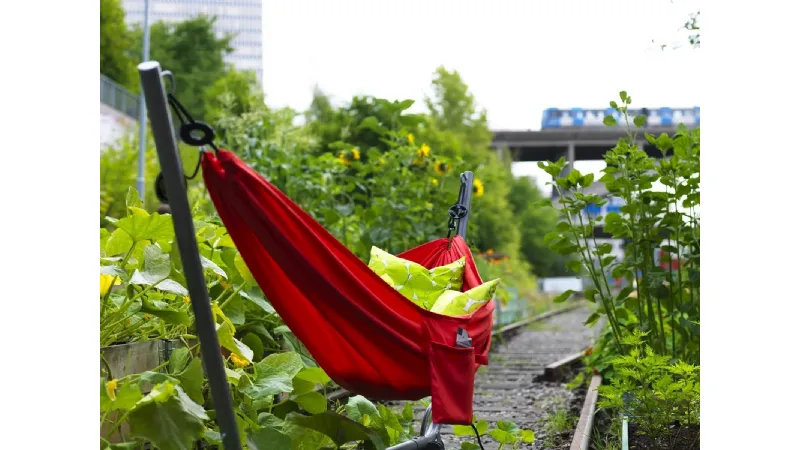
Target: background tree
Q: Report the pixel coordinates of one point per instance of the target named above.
(194, 54)
(457, 128)
(116, 42)
(235, 93)
(534, 222)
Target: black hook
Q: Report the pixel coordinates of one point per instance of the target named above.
(191, 132)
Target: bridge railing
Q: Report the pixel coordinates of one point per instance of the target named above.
(119, 98)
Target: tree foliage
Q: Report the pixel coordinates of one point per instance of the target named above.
(234, 93)
(534, 222)
(194, 54)
(116, 41)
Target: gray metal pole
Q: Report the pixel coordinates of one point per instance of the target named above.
(163, 134)
(142, 107)
(465, 199)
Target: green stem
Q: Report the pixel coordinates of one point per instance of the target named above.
(672, 315)
(230, 297)
(592, 273)
(647, 260)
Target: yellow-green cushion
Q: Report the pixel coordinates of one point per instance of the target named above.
(455, 303)
(414, 281)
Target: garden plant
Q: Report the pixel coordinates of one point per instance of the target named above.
(650, 346)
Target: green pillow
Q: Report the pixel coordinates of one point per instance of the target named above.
(454, 303)
(414, 281)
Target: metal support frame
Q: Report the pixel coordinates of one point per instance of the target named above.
(429, 436)
(465, 200)
(163, 134)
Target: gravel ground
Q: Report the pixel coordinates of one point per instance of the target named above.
(507, 388)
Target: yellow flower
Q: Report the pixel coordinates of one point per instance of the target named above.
(239, 362)
(356, 154)
(424, 151)
(343, 159)
(111, 389)
(435, 182)
(477, 187)
(490, 252)
(187, 300)
(441, 168)
(410, 138)
(148, 317)
(106, 281)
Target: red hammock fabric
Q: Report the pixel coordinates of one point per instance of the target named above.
(365, 335)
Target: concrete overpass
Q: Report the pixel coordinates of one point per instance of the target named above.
(574, 144)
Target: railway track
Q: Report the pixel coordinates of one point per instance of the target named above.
(511, 386)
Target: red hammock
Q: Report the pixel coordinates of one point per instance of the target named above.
(365, 335)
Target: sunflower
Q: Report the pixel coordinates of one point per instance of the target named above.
(424, 151)
(477, 187)
(347, 157)
(441, 168)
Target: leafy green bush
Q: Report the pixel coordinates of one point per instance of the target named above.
(650, 390)
(143, 297)
(655, 220)
(652, 339)
(393, 198)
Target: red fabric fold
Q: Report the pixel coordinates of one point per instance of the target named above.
(365, 335)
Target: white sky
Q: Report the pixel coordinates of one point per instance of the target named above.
(517, 57)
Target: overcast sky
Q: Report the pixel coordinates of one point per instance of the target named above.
(517, 57)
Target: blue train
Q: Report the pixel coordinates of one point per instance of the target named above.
(590, 118)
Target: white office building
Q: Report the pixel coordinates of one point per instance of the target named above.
(241, 18)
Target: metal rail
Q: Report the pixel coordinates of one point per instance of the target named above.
(119, 98)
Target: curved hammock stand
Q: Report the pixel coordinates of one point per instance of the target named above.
(368, 337)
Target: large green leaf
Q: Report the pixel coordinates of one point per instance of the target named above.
(210, 265)
(502, 436)
(242, 268)
(126, 397)
(192, 380)
(178, 359)
(165, 285)
(118, 243)
(269, 439)
(313, 402)
(339, 428)
(258, 301)
(156, 263)
(151, 227)
(164, 312)
(528, 436)
(314, 375)
(168, 418)
(358, 406)
(300, 387)
(273, 375)
(254, 342)
(225, 334)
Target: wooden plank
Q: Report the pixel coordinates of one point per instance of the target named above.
(556, 370)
